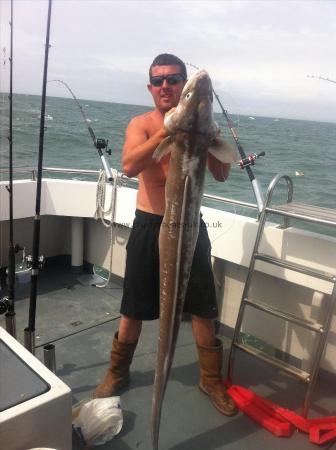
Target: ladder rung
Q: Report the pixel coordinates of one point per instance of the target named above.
(296, 267)
(306, 212)
(313, 326)
(298, 373)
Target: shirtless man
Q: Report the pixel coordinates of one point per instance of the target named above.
(167, 76)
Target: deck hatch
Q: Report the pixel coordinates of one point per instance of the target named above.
(19, 382)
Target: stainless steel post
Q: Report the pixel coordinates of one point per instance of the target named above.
(29, 340)
(49, 357)
(11, 324)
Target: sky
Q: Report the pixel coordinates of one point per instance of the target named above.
(258, 53)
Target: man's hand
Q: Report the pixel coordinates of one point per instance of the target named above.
(167, 120)
(162, 133)
(170, 112)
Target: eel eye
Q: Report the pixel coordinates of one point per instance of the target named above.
(188, 96)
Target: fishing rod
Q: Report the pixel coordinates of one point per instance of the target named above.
(29, 332)
(99, 144)
(10, 316)
(7, 304)
(112, 177)
(246, 161)
(321, 78)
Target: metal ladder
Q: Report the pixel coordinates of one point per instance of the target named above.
(307, 213)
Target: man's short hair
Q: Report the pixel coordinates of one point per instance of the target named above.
(166, 59)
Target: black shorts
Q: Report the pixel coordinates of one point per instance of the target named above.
(141, 294)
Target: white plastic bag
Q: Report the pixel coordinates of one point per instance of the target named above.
(99, 420)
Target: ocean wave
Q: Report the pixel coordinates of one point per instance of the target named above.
(46, 117)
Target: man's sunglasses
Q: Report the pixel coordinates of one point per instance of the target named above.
(172, 79)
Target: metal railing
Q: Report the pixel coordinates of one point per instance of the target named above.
(32, 171)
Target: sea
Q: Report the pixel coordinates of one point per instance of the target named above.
(304, 150)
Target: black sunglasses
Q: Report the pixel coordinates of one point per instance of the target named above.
(172, 79)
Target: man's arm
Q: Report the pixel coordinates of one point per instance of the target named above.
(219, 170)
(138, 148)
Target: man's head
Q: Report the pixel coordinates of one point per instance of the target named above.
(167, 76)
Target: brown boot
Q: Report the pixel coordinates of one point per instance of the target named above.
(117, 375)
(210, 359)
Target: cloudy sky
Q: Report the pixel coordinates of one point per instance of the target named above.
(258, 53)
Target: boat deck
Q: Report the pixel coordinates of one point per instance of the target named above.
(81, 319)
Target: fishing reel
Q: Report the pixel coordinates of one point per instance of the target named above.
(102, 144)
(28, 261)
(4, 305)
(250, 160)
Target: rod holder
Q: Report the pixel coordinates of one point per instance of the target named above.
(29, 340)
(11, 324)
(49, 357)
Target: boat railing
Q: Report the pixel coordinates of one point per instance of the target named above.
(124, 178)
